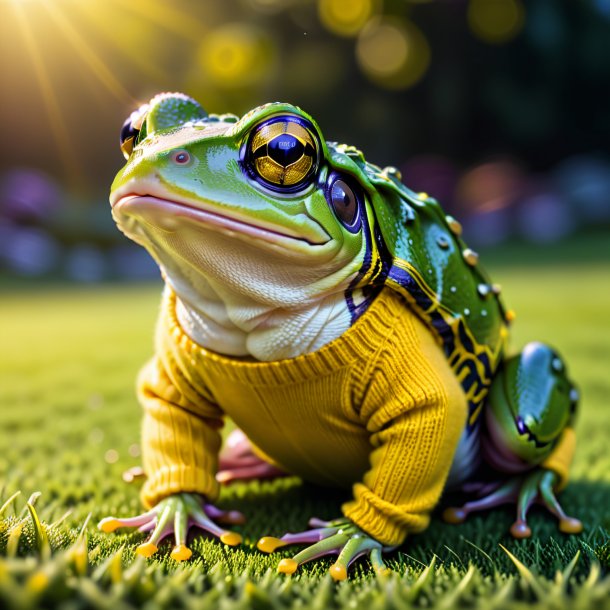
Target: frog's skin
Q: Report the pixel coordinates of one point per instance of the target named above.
(325, 230)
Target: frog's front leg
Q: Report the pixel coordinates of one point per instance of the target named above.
(528, 435)
(338, 537)
(175, 515)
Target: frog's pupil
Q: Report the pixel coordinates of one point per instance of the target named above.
(285, 149)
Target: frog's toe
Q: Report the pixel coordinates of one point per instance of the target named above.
(500, 494)
(358, 545)
(567, 524)
(330, 545)
(232, 517)
(110, 524)
(570, 525)
(454, 515)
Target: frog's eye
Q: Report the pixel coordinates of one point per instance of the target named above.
(131, 130)
(345, 202)
(283, 153)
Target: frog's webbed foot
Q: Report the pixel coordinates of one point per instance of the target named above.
(239, 462)
(338, 537)
(525, 490)
(175, 515)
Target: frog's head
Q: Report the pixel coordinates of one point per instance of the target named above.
(257, 203)
(529, 404)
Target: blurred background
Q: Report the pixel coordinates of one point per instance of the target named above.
(498, 108)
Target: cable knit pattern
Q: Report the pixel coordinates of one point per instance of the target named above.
(378, 409)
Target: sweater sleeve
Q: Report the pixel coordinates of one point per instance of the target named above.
(415, 412)
(181, 427)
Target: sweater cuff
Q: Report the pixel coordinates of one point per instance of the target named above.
(169, 480)
(561, 458)
(387, 524)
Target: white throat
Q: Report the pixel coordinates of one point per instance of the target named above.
(235, 325)
(236, 301)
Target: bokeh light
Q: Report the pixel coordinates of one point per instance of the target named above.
(490, 186)
(346, 17)
(237, 55)
(496, 21)
(392, 52)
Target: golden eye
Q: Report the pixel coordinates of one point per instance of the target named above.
(283, 152)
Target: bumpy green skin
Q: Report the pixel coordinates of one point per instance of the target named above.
(406, 243)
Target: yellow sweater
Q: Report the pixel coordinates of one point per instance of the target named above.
(378, 409)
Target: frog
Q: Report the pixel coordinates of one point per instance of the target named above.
(340, 320)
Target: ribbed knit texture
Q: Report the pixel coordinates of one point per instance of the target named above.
(378, 409)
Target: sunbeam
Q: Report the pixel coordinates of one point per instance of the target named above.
(105, 25)
(169, 17)
(98, 67)
(57, 123)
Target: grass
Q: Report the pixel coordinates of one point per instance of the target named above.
(69, 428)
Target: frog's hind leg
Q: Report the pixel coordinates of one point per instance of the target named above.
(527, 438)
(240, 460)
(504, 493)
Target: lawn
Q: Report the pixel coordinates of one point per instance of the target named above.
(69, 429)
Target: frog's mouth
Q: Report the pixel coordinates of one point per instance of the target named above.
(132, 209)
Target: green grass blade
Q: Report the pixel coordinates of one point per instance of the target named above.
(42, 541)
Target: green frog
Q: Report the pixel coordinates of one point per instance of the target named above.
(341, 321)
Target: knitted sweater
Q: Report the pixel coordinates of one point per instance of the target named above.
(377, 409)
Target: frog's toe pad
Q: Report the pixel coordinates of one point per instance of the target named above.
(338, 572)
(269, 544)
(147, 549)
(454, 515)
(109, 524)
(569, 525)
(181, 553)
(287, 566)
(520, 529)
(231, 538)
